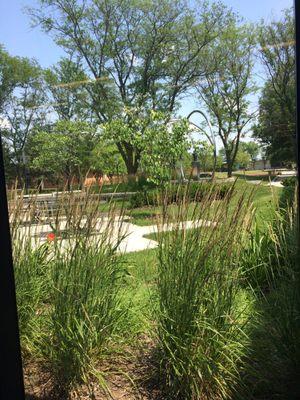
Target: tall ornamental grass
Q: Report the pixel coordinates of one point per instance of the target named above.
(69, 288)
(200, 324)
(274, 363)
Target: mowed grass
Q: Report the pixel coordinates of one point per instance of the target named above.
(139, 290)
(265, 199)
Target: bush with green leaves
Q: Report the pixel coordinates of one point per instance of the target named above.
(194, 191)
(288, 193)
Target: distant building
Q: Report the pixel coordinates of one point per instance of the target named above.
(260, 164)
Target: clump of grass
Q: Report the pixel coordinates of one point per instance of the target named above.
(71, 285)
(86, 309)
(200, 330)
(31, 274)
(274, 362)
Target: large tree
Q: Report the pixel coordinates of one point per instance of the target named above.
(276, 125)
(13, 72)
(160, 142)
(139, 53)
(67, 83)
(24, 109)
(65, 150)
(227, 84)
(252, 149)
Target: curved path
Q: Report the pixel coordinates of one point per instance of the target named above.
(133, 235)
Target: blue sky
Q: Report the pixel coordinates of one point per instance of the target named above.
(20, 39)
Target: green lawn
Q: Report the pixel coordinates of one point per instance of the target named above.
(264, 199)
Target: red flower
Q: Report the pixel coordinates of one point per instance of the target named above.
(51, 237)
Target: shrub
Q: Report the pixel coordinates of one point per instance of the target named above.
(194, 191)
(288, 193)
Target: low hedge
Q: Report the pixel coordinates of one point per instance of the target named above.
(195, 191)
(288, 193)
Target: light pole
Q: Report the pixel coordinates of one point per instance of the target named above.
(211, 137)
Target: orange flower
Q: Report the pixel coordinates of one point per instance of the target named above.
(51, 237)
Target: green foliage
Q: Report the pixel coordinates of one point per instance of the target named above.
(287, 197)
(31, 269)
(274, 368)
(173, 193)
(204, 151)
(23, 111)
(251, 148)
(69, 293)
(152, 70)
(227, 85)
(86, 308)
(200, 332)
(67, 83)
(222, 300)
(158, 144)
(65, 150)
(14, 72)
(107, 159)
(242, 159)
(276, 123)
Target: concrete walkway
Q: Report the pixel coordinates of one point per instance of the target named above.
(133, 236)
(264, 183)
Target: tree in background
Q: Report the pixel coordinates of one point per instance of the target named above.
(164, 145)
(276, 126)
(158, 143)
(227, 85)
(141, 54)
(251, 148)
(205, 152)
(65, 151)
(13, 72)
(66, 82)
(242, 159)
(106, 158)
(24, 110)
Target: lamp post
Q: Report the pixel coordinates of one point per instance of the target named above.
(211, 137)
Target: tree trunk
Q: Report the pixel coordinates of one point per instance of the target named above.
(229, 162)
(130, 156)
(131, 167)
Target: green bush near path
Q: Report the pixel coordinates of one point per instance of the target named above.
(195, 191)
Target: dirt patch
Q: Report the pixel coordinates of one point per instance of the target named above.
(129, 377)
